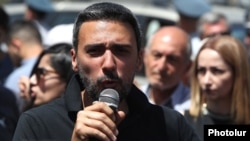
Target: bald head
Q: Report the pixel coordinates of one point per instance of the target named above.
(171, 30)
(171, 35)
(167, 58)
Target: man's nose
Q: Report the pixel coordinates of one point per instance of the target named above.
(162, 64)
(109, 62)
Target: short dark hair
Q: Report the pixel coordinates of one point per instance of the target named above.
(107, 11)
(25, 30)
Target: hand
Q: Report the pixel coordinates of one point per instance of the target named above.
(97, 121)
(24, 86)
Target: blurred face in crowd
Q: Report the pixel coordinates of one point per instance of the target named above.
(213, 29)
(215, 76)
(45, 83)
(166, 58)
(107, 56)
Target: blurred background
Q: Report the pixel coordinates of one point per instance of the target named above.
(152, 14)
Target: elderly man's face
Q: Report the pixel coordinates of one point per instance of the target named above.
(166, 60)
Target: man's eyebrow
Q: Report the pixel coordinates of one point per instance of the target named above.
(94, 45)
(121, 45)
(112, 45)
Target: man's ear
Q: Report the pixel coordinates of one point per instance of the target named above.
(189, 65)
(187, 73)
(74, 60)
(16, 43)
(140, 60)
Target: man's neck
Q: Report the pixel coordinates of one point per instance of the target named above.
(159, 96)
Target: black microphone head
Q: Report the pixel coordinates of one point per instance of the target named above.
(110, 97)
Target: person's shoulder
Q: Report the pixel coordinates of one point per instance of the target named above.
(144, 87)
(54, 107)
(23, 70)
(178, 125)
(8, 108)
(183, 106)
(171, 112)
(173, 117)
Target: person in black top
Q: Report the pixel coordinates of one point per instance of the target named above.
(107, 54)
(9, 114)
(6, 65)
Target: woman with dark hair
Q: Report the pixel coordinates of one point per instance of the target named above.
(49, 76)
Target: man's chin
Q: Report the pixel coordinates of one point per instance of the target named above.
(161, 86)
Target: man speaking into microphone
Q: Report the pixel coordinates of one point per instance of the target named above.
(101, 102)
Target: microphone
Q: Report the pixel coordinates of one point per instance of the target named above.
(110, 97)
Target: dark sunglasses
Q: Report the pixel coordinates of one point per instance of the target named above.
(41, 72)
(221, 33)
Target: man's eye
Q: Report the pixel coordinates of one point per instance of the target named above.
(156, 55)
(172, 58)
(121, 50)
(94, 51)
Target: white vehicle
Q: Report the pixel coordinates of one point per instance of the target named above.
(150, 17)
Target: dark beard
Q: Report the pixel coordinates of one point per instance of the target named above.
(92, 89)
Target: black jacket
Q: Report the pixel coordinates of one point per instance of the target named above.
(9, 114)
(145, 122)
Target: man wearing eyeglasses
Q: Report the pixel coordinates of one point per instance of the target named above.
(211, 24)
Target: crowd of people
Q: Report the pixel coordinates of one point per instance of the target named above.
(50, 85)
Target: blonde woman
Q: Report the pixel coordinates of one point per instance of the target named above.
(220, 84)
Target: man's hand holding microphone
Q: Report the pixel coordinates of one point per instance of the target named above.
(99, 121)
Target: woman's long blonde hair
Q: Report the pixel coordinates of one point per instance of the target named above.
(236, 56)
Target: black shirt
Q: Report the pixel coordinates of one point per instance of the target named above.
(9, 114)
(145, 122)
(205, 119)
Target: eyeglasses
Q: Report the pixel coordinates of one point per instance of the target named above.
(42, 72)
(221, 33)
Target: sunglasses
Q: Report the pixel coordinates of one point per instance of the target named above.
(42, 72)
(216, 34)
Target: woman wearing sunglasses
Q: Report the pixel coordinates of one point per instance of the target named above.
(49, 76)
